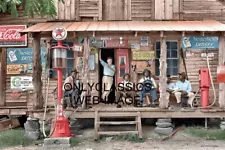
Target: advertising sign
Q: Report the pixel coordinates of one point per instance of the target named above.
(10, 36)
(116, 43)
(21, 83)
(200, 42)
(143, 55)
(19, 60)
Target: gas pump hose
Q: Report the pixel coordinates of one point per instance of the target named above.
(45, 110)
(212, 83)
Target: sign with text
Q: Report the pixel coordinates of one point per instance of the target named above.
(10, 36)
(21, 83)
(19, 60)
(116, 43)
(200, 42)
(143, 55)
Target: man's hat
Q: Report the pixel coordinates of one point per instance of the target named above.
(183, 74)
(74, 70)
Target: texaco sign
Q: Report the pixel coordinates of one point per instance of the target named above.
(59, 33)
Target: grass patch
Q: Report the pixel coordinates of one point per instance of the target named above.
(74, 142)
(125, 137)
(208, 134)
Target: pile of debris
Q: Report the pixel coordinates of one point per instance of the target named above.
(7, 123)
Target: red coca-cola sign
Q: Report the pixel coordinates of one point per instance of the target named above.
(10, 36)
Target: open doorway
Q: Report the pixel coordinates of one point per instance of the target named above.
(106, 53)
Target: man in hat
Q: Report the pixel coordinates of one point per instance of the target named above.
(108, 74)
(183, 89)
(148, 85)
(69, 87)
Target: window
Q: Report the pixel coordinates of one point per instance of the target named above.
(70, 59)
(172, 58)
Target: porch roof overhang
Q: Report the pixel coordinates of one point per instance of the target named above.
(147, 26)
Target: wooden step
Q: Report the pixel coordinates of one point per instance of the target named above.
(117, 122)
(117, 132)
(114, 114)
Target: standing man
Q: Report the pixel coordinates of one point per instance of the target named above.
(183, 88)
(108, 74)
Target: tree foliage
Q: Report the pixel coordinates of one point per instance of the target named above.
(30, 7)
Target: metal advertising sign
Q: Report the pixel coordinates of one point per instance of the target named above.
(200, 42)
(143, 55)
(19, 60)
(59, 34)
(10, 36)
(21, 83)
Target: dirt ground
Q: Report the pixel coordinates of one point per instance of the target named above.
(180, 141)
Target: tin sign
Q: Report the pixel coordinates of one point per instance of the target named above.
(21, 83)
(59, 34)
(10, 36)
(200, 42)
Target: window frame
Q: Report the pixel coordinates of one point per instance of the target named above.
(178, 56)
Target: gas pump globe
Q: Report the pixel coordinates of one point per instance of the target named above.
(59, 56)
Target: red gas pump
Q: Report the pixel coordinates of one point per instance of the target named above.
(204, 84)
(221, 74)
(62, 128)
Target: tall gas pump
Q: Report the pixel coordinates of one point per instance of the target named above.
(204, 84)
(61, 124)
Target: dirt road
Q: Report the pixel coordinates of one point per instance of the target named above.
(180, 141)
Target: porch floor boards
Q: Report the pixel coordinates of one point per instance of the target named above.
(148, 112)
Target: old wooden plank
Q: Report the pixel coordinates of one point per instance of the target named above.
(100, 10)
(61, 11)
(56, 3)
(9, 124)
(68, 8)
(176, 9)
(3, 71)
(77, 10)
(168, 9)
(37, 72)
(162, 79)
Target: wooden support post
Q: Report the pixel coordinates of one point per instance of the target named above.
(37, 72)
(85, 73)
(3, 74)
(202, 33)
(221, 62)
(162, 78)
(136, 33)
(100, 10)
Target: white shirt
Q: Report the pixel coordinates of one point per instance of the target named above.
(153, 81)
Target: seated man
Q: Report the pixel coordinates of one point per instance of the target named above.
(69, 89)
(148, 86)
(183, 88)
(170, 87)
(125, 91)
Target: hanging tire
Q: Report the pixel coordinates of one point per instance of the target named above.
(32, 135)
(164, 120)
(163, 124)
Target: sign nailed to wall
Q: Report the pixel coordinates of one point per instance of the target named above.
(143, 55)
(116, 43)
(10, 36)
(21, 83)
(200, 42)
(19, 60)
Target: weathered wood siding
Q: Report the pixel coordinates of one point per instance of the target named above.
(195, 62)
(142, 9)
(203, 9)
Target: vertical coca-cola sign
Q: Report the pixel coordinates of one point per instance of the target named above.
(10, 36)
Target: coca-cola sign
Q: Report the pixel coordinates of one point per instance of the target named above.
(10, 36)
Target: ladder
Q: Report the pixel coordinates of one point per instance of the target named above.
(98, 123)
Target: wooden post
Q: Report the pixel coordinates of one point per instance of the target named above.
(3, 75)
(37, 72)
(100, 10)
(221, 62)
(162, 78)
(85, 73)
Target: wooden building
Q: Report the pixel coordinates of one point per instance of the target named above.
(117, 27)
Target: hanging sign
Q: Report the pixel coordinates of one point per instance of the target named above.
(116, 43)
(19, 60)
(200, 42)
(59, 34)
(144, 41)
(143, 55)
(21, 83)
(135, 47)
(10, 36)
(77, 48)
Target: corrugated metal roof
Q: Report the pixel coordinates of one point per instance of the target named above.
(206, 25)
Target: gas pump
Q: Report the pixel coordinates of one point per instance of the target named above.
(61, 124)
(221, 74)
(204, 84)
